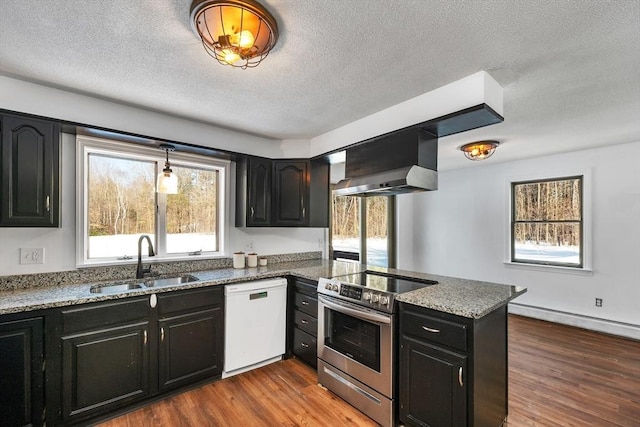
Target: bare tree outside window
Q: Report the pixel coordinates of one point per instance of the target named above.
(547, 222)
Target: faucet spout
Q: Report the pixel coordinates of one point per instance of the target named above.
(141, 271)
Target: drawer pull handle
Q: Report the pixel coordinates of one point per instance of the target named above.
(253, 212)
(305, 302)
(304, 321)
(145, 337)
(162, 334)
(48, 204)
(304, 344)
(460, 377)
(428, 329)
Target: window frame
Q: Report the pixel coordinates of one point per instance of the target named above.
(586, 224)
(86, 145)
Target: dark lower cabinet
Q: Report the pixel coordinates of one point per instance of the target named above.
(303, 320)
(191, 331)
(452, 369)
(104, 369)
(21, 372)
(118, 353)
(433, 392)
(29, 172)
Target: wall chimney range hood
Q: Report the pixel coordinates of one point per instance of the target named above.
(400, 162)
(406, 161)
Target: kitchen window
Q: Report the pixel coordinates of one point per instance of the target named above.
(362, 229)
(547, 222)
(117, 203)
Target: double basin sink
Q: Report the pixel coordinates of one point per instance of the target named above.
(119, 287)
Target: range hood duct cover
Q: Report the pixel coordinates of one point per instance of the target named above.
(400, 162)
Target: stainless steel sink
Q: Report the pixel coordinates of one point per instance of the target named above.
(115, 288)
(171, 281)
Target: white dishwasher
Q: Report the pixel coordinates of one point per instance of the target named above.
(255, 324)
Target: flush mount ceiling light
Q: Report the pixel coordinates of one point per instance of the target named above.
(167, 180)
(240, 33)
(479, 150)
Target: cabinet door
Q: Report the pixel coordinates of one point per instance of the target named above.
(433, 389)
(191, 347)
(21, 376)
(291, 193)
(259, 192)
(104, 370)
(30, 172)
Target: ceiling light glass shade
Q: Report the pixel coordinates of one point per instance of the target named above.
(479, 150)
(240, 33)
(167, 182)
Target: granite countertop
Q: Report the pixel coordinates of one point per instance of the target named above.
(43, 297)
(467, 298)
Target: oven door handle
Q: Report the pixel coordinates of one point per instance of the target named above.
(364, 315)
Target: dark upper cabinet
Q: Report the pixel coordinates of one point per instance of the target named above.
(282, 193)
(253, 195)
(290, 193)
(21, 372)
(29, 172)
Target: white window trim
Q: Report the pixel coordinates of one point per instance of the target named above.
(87, 144)
(587, 210)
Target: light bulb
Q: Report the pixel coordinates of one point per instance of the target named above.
(246, 39)
(229, 56)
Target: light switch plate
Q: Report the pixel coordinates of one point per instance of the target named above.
(31, 255)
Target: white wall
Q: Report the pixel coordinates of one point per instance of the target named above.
(59, 243)
(461, 230)
(26, 97)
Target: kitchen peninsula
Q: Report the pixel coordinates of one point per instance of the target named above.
(38, 312)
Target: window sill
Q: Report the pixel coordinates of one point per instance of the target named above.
(150, 260)
(584, 271)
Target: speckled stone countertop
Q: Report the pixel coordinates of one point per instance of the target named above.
(59, 295)
(462, 297)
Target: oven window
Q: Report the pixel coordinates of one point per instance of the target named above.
(357, 339)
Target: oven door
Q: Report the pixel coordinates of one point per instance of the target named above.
(358, 341)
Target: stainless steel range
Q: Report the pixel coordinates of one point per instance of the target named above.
(356, 339)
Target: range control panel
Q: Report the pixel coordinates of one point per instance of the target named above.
(379, 300)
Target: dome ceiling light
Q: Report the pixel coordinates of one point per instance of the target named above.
(479, 150)
(240, 33)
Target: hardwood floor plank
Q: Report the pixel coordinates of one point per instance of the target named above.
(558, 376)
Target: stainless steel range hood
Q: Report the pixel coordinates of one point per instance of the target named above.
(409, 179)
(400, 162)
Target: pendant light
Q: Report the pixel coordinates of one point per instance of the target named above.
(479, 150)
(240, 33)
(167, 180)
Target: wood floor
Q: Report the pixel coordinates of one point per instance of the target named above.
(558, 376)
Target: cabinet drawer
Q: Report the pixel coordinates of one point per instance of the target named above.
(307, 287)
(305, 347)
(99, 315)
(174, 302)
(436, 330)
(307, 304)
(306, 322)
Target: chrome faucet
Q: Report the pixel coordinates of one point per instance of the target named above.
(141, 271)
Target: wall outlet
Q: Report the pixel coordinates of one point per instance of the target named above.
(31, 255)
(321, 243)
(598, 302)
(249, 246)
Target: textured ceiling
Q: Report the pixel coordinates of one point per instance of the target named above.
(570, 69)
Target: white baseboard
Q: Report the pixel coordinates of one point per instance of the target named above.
(606, 326)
